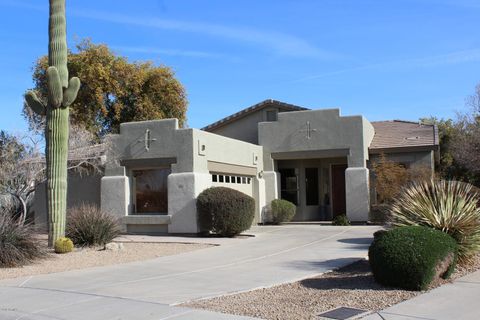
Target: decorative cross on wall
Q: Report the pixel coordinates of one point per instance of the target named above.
(148, 139)
(309, 130)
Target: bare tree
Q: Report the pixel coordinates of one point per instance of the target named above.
(23, 165)
(466, 146)
(20, 172)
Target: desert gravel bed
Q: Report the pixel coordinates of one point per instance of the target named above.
(350, 286)
(94, 257)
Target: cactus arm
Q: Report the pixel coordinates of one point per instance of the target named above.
(34, 103)
(70, 93)
(57, 46)
(55, 90)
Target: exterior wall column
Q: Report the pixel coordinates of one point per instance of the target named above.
(183, 189)
(115, 196)
(272, 187)
(357, 193)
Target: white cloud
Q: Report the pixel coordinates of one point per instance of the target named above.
(453, 58)
(279, 43)
(168, 52)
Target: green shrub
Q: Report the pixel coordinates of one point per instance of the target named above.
(449, 206)
(341, 220)
(282, 211)
(63, 245)
(87, 225)
(18, 245)
(224, 211)
(408, 257)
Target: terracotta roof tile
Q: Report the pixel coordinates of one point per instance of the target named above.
(397, 134)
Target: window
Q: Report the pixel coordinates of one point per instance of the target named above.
(214, 178)
(220, 178)
(151, 188)
(289, 185)
(227, 179)
(239, 180)
(311, 186)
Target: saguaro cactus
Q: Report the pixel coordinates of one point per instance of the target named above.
(61, 94)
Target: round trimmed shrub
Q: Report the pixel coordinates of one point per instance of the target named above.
(282, 211)
(224, 211)
(412, 257)
(63, 245)
(341, 220)
(18, 245)
(87, 225)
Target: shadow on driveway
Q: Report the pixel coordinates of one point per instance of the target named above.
(359, 243)
(355, 276)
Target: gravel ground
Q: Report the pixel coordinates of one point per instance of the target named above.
(94, 257)
(350, 286)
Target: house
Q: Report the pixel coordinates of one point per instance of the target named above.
(317, 159)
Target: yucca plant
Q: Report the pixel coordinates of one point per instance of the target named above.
(449, 206)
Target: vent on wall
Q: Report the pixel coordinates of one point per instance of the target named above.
(202, 148)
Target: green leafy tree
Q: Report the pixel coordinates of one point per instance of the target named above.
(114, 90)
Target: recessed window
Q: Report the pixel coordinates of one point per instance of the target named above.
(220, 178)
(239, 180)
(227, 179)
(214, 178)
(151, 188)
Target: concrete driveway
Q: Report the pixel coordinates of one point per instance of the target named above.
(151, 289)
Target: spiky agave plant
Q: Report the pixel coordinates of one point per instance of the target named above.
(61, 94)
(449, 206)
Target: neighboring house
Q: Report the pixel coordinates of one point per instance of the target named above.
(317, 159)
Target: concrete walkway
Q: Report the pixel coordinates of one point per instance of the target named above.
(457, 300)
(150, 289)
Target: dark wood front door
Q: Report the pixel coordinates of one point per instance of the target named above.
(338, 189)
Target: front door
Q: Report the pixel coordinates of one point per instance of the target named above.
(338, 190)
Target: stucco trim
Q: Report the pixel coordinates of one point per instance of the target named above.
(221, 167)
(148, 163)
(314, 154)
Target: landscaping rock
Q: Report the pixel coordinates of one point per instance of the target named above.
(114, 246)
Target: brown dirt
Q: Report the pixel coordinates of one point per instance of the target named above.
(94, 257)
(350, 286)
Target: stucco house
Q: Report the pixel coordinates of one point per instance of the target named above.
(317, 159)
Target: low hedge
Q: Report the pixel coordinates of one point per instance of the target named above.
(224, 211)
(282, 211)
(412, 257)
(341, 220)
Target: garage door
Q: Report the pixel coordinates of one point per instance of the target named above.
(241, 183)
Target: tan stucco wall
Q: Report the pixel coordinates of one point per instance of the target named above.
(188, 152)
(81, 189)
(332, 132)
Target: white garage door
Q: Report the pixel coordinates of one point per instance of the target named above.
(241, 183)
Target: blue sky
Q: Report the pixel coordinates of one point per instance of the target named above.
(396, 59)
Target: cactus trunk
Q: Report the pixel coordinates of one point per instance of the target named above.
(56, 151)
(61, 94)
